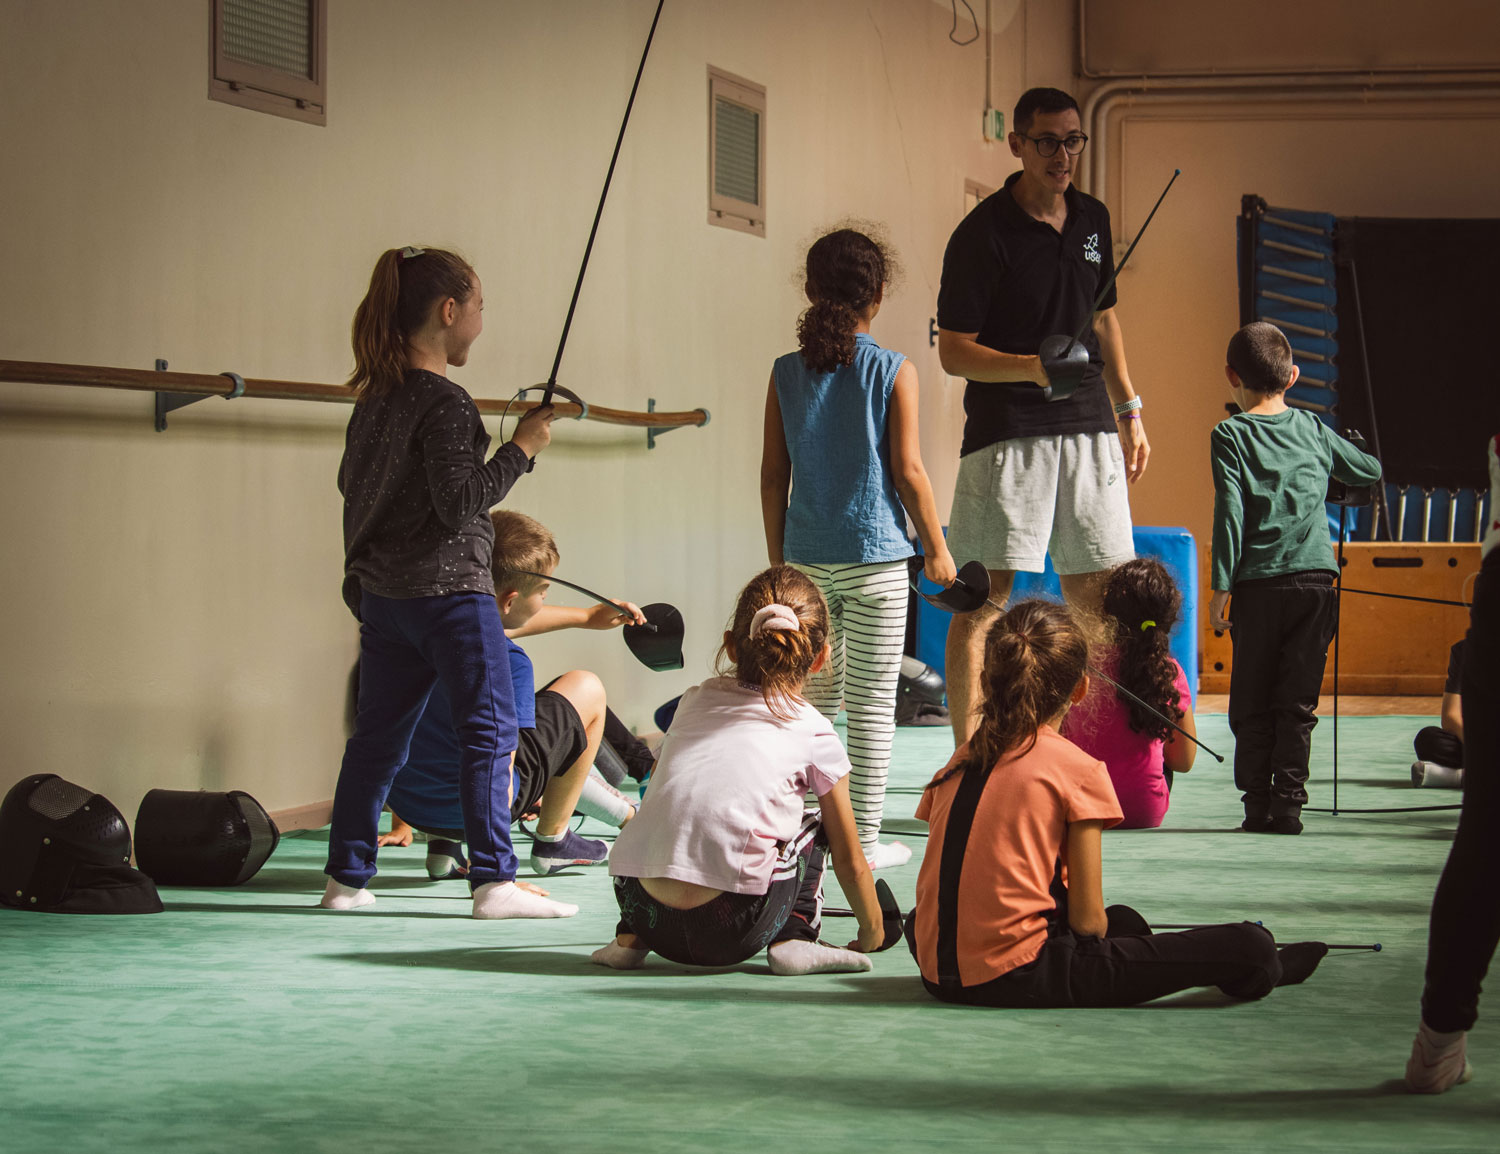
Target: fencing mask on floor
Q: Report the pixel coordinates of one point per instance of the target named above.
(192, 838)
(64, 849)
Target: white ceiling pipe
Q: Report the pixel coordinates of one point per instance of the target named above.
(1395, 72)
(1151, 94)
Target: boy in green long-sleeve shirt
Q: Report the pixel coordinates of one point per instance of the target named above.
(1271, 550)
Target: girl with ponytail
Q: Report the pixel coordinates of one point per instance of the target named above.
(417, 491)
(720, 861)
(1141, 607)
(1010, 898)
(841, 436)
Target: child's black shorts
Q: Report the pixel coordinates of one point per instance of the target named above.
(544, 752)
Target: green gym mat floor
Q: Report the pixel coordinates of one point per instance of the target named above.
(248, 1020)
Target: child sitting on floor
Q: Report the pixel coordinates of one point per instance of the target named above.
(721, 862)
(1010, 898)
(1141, 752)
(560, 726)
(1440, 748)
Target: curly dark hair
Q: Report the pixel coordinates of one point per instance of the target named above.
(845, 273)
(1142, 604)
(1034, 657)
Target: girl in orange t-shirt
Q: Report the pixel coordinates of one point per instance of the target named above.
(1010, 898)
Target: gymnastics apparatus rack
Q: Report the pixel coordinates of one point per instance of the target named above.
(174, 390)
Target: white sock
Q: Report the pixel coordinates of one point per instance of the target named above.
(618, 957)
(887, 854)
(338, 896)
(1431, 775)
(508, 900)
(549, 838)
(1438, 1061)
(796, 957)
(601, 800)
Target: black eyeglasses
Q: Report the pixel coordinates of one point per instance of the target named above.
(1047, 145)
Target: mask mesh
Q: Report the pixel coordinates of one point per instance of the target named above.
(263, 837)
(58, 799)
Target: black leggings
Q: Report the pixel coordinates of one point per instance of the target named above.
(1128, 966)
(1466, 909)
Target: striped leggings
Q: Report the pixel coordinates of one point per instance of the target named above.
(867, 634)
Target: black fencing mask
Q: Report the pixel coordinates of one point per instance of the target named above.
(191, 838)
(64, 849)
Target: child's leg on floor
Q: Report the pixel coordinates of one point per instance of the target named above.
(603, 801)
(1241, 960)
(634, 752)
(795, 948)
(585, 693)
(394, 682)
(561, 748)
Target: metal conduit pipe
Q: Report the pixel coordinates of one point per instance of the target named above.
(1198, 91)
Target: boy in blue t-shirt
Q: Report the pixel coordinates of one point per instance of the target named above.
(1271, 550)
(560, 727)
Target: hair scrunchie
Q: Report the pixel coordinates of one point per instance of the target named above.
(1147, 624)
(773, 617)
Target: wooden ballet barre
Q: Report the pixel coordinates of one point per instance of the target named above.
(232, 385)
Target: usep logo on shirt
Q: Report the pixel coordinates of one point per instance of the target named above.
(1091, 248)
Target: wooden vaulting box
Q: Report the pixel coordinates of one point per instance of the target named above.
(1385, 646)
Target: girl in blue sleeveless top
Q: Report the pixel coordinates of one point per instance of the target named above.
(841, 435)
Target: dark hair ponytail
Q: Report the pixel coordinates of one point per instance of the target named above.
(777, 660)
(1034, 657)
(1144, 604)
(405, 285)
(845, 273)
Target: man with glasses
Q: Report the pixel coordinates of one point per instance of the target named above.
(1035, 476)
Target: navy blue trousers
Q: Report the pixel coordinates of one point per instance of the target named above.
(405, 646)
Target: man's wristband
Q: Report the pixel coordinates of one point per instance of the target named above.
(1131, 406)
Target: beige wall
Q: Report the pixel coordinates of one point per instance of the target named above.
(1179, 295)
(1390, 146)
(169, 602)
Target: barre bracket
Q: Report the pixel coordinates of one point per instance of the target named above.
(654, 431)
(167, 402)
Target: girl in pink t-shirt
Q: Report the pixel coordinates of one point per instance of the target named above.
(1010, 898)
(720, 861)
(1141, 605)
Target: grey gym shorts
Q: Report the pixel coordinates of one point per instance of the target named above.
(1017, 501)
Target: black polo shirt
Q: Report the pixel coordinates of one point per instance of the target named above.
(1015, 280)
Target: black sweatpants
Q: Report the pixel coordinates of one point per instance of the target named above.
(1466, 909)
(1281, 630)
(733, 927)
(1128, 966)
